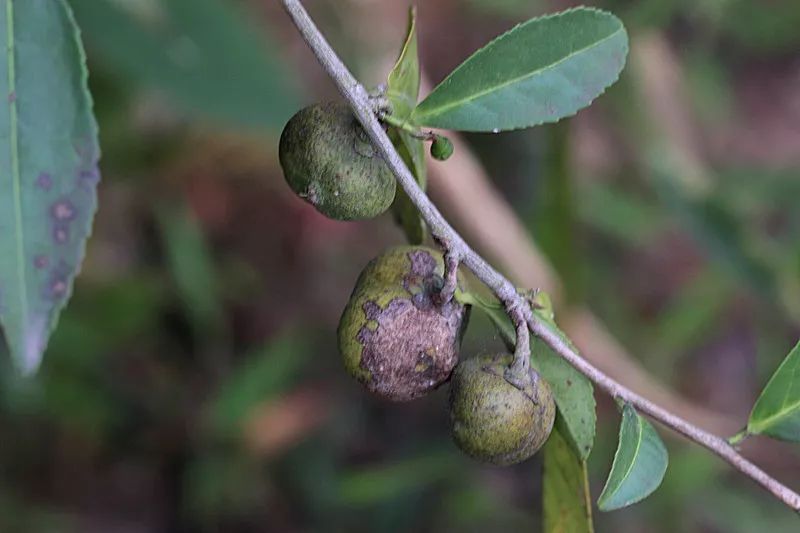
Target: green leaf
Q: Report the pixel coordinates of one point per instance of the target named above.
(573, 393)
(402, 92)
(722, 235)
(204, 55)
(540, 71)
(574, 396)
(403, 83)
(380, 483)
(777, 411)
(263, 374)
(191, 266)
(48, 171)
(405, 212)
(639, 464)
(566, 496)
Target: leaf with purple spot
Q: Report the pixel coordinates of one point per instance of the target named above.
(48, 171)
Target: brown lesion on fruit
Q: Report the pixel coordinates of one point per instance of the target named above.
(414, 347)
(310, 195)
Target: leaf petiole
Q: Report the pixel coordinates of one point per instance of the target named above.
(405, 126)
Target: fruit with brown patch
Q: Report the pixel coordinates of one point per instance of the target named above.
(395, 336)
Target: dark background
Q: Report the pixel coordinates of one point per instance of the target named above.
(194, 384)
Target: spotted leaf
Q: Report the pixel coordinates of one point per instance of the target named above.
(48, 170)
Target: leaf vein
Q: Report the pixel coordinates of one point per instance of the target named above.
(494, 88)
(14, 155)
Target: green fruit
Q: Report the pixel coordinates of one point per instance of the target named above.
(441, 148)
(491, 419)
(329, 161)
(394, 335)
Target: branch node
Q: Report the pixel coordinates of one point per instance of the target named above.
(451, 261)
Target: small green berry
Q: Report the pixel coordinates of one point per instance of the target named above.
(329, 161)
(491, 419)
(394, 335)
(441, 148)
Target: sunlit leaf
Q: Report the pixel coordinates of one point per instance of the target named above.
(639, 463)
(777, 411)
(540, 71)
(48, 171)
(567, 504)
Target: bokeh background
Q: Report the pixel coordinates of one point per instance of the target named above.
(194, 384)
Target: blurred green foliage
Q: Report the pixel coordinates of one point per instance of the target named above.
(210, 295)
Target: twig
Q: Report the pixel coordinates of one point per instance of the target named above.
(451, 262)
(519, 311)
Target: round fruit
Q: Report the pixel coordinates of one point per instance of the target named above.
(491, 419)
(329, 161)
(394, 335)
(441, 148)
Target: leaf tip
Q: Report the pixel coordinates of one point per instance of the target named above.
(28, 349)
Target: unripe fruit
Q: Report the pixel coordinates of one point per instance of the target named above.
(491, 419)
(394, 335)
(329, 161)
(441, 148)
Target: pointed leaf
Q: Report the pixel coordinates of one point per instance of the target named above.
(403, 83)
(573, 392)
(48, 170)
(639, 464)
(402, 92)
(541, 71)
(777, 411)
(567, 506)
(574, 397)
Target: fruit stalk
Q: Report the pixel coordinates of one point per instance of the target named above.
(517, 307)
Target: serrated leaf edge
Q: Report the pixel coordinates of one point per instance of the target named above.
(765, 424)
(628, 410)
(415, 118)
(29, 362)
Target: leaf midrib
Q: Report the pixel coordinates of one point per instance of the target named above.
(633, 459)
(494, 88)
(14, 148)
(782, 412)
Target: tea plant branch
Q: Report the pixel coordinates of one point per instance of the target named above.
(517, 307)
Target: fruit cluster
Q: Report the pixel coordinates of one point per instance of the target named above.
(398, 336)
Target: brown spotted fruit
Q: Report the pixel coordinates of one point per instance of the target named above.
(329, 161)
(395, 335)
(494, 421)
